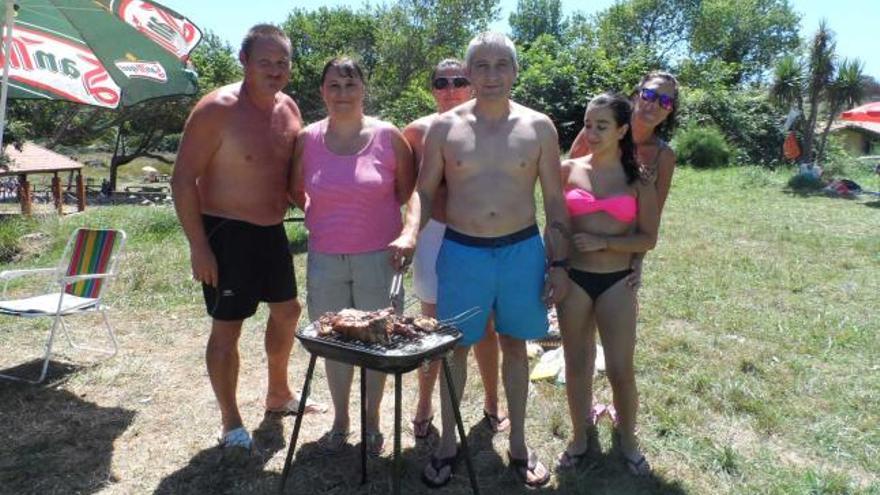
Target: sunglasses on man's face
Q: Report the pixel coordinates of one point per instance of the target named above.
(441, 83)
(651, 96)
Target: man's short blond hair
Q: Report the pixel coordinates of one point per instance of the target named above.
(494, 40)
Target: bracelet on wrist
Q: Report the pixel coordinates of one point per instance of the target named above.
(563, 263)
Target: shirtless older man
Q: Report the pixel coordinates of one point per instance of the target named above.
(449, 88)
(230, 193)
(491, 151)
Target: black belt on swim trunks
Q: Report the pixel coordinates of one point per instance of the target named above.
(505, 240)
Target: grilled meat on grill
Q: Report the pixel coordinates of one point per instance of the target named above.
(366, 326)
(420, 324)
(374, 326)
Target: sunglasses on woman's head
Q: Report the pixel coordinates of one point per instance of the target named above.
(651, 96)
(444, 82)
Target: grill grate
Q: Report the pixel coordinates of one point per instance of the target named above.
(398, 344)
(400, 353)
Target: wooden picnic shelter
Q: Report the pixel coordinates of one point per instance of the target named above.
(34, 159)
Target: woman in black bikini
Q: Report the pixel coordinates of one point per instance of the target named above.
(655, 105)
(615, 215)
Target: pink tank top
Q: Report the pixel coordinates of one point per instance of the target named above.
(350, 202)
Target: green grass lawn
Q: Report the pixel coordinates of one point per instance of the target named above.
(758, 364)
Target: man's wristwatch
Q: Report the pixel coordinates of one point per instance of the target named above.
(563, 263)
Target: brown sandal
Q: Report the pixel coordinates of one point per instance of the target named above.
(422, 428)
(496, 423)
(333, 442)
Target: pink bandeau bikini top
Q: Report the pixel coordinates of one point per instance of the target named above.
(622, 207)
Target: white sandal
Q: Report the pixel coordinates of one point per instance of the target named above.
(236, 438)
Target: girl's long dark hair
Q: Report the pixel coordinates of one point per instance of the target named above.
(621, 108)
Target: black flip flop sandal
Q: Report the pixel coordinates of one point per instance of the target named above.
(570, 461)
(522, 468)
(637, 467)
(437, 464)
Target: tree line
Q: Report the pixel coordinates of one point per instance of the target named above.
(741, 64)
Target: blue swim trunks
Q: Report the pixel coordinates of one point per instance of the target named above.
(503, 276)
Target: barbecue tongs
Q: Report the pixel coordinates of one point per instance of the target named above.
(396, 293)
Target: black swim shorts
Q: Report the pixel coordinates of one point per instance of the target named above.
(254, 264)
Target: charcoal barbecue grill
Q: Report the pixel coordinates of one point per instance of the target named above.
(401, 355)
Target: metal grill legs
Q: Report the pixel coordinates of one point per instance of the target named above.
(397, 469)
(453, 396)
(363, 425)
(297, 423)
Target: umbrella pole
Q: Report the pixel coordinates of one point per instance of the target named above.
(7, 46)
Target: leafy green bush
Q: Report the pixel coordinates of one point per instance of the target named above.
(702, 147)
(746, 118)
(415, 101)
(549, 82)
(559, 80)
(838, 162)
(805, 183)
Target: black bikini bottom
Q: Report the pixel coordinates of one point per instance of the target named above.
(594, 284)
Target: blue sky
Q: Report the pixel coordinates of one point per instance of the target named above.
(855, 22)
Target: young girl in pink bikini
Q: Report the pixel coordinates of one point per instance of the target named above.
(614, 217)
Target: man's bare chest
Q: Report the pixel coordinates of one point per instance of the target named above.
(264, 139)
(514, 150)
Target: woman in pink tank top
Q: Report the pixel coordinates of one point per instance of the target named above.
(351, 175)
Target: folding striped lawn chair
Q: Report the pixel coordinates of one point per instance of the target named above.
(77, 286)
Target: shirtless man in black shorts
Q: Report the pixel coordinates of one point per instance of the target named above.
(230, 193)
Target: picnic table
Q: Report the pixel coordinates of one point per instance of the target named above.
(147, 189)
(148, 192)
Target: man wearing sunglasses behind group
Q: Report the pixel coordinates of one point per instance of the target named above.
(450, 88)
(491, 152)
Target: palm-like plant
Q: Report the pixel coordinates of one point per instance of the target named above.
(821, 74)
(788, 83)
(845, 91)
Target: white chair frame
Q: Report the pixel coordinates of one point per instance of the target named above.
(75, 304)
